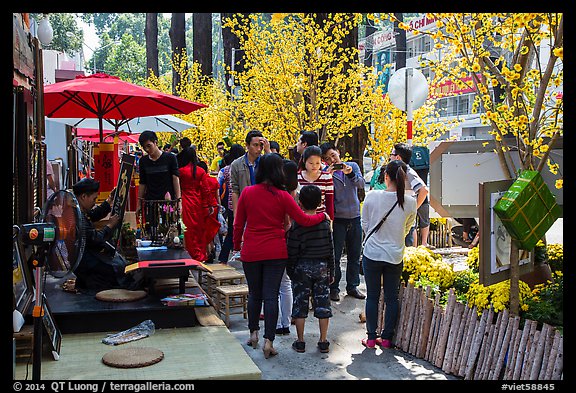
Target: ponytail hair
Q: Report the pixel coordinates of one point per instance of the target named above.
(396, 171)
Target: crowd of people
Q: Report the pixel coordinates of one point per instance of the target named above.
(289, 221)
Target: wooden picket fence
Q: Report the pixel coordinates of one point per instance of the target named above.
(440, 235)
(491, 346)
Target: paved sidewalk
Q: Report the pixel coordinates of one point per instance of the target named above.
(347, 359)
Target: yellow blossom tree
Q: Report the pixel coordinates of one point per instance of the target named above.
(212, 123)
(298, 77)
(519, 57)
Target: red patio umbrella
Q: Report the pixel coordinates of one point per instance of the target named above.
(107, 97)
(90, 135)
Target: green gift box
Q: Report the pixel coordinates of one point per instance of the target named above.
(528, 209)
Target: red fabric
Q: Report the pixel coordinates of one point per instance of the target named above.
(259, 222)
(212, 224)
(195, 197)
(106, 96)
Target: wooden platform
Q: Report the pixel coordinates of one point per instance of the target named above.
(83, 313)
(193, 353)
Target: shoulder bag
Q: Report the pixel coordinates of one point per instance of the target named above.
(379, 224)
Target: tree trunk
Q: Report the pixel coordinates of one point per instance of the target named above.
(514, 280)
(151, 34)
(231, 43)
(369, 45)
(178, 40)
(400, 35)
(356, 144)
(202, 48)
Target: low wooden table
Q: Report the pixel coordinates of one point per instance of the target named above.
(165, 263)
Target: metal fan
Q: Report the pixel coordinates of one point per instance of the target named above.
(63, 212)
(58, 244)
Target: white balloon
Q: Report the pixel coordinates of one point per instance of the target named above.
(45, 32)
(397, 88)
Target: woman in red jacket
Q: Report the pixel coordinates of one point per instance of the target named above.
(197, 205)
(259, 234)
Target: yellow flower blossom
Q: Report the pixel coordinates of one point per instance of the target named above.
(559, 184)
(559, 52)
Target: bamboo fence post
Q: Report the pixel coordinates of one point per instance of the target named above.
(402, 312)
(463, 351)
(418, 322)
(408, 299)
(553, 355)
(513, 353)
(432, 332)
(559, 362)
(412, 344)
(484, 352)
(439, 311)
(422, 323)
(546, 352)
(527, 364)
(445, 329)
(511, 327)
(419, 316)
(475, 321)
(475, 345)
(502, 327)
(453, 336)
(409, 320)
(427, 322)
(529, 361)
(403, 315)
(483, 363)
(539, 351)
(484, 344)
(522, 348)
(465, 325)
(439, 318)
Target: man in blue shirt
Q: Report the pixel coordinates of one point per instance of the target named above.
(243, 169)
(346, 228)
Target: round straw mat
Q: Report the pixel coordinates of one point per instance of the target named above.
(132, 357)
(120, 295)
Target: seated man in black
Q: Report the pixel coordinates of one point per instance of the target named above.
(101, 267)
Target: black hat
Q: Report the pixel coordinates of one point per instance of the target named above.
(86, 186)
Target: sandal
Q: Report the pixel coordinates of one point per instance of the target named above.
(323, 346)
(299, 346)
(268, 349)
(369, 343)
(253, 340)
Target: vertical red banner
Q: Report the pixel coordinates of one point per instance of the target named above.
(106, 168)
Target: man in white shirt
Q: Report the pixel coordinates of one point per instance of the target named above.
(418, 187)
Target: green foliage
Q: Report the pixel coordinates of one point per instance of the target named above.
(555, 255)
(424, 281)
(125, 62)
(112, 27)
(547, 302)
(463, 280)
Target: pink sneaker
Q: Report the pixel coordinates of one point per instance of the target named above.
(369, 343)
(383, 343)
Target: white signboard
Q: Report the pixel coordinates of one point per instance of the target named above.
(465, 171)
(501, 241)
